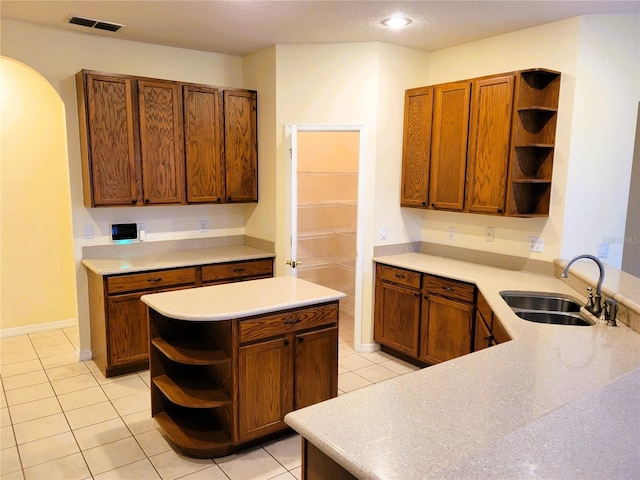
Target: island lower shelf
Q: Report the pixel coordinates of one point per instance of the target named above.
(218, 386)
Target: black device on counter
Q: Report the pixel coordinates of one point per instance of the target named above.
(124, 231)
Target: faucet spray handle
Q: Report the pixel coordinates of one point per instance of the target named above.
(610, 311)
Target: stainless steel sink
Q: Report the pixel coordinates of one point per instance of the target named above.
(542, 307)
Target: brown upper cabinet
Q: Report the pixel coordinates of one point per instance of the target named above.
(487, 146)
(157, 142)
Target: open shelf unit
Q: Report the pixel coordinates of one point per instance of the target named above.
(533, 142)
(192, 383)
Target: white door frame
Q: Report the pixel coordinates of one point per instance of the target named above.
(291, 139)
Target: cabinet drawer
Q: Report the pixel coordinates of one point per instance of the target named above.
(224, 272)
(151, 280)
(286, 322)
(397, 275)
(449, 288)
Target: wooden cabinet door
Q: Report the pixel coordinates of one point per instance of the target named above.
(241, 145)
(161, 142)
(397, 317)
(489, 140)
(111, 169)
(446, 329)
(416, 147)
(483, 337)
(265, 395)
(316, 366)
(203, 140)
(449, 145)
(128, 331)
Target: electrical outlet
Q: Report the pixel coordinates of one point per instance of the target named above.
(491, 234)
(603, 250)
(383, 233)
(452, 233)
(88, 232)
(536, 244)
(203, 225)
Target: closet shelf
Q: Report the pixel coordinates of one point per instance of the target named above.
(329, 204)
(315, 262)
(316, 234)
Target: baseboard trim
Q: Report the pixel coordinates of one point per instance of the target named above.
(38, 327)
(368, 347)
(84, 355)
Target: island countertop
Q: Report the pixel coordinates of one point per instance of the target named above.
(240, 299)
(554, 402)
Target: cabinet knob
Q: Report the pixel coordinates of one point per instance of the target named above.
(499, 210)
(134, 201)
(433, 205)
(424, 204)
(448, 289)
(146, 200)
(228, 199)
(285, 342)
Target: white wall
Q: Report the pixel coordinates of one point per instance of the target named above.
(57, 55)
(607, 91)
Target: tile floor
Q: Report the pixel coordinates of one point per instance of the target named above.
(63, 420)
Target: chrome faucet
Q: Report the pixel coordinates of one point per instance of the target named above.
(594, 304)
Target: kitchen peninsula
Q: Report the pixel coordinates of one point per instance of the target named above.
(554, 402)
(228, 362)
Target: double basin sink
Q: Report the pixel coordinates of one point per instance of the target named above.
(551, 308)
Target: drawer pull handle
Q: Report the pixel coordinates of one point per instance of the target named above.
(399, 275)
(154, 280)
(292, 322)
(448, 289)
(238, 270)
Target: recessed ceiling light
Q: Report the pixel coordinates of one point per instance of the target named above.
(396, 23)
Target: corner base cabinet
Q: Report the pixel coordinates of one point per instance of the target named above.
(220, 385)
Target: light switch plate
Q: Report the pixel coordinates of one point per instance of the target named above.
(452, 233)
(536, 244)
(491, 234)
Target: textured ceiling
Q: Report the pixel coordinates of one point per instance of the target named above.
(244, 26)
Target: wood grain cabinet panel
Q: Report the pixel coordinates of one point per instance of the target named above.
(108, 126)
(416, 147)
(450, 130)
(316, 364)
(489, 141)
(204, 146)
(240, 146)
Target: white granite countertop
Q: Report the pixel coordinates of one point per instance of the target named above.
(240, 299)
(554, 402)
(173, 259)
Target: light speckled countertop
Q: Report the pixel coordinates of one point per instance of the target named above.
(240, 299)
(554, 402)
(173, 259)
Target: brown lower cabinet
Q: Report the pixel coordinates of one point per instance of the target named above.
(119, 329)
(220, 385)
(426, 318)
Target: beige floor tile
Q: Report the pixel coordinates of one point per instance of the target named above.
(210, 473)
(90, 415)
(25, 380)
(45, 333)
(41, 428)
(47, 449)
(350, 381)
(17, 347)
(286, 451)
(172, 464)
(32, 410)
(153, 442)
(399, 366)
(17, 338)
(56, 350)
(101, 433)
(254, 464)
(376, 373)
(140, 422)
(133, 404)
(7, 438)
(146, 377)
(344, 350)
(82, 398)
(58, 339)
(297, 473)
(140, 470)
(9, 460)
(10, 358)
(102, 380)
(59, 360)
(377, 357)
(29, 394)
(66, 371)
(71, 467)
(132, 386)
(353, 362)
(20, 368)
(284, 476)
(17, 475)
(73, 384)
(113, 455)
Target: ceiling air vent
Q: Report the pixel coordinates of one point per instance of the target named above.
(90, 23)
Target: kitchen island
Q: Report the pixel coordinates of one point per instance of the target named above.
(228, 362)
(554, 402)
